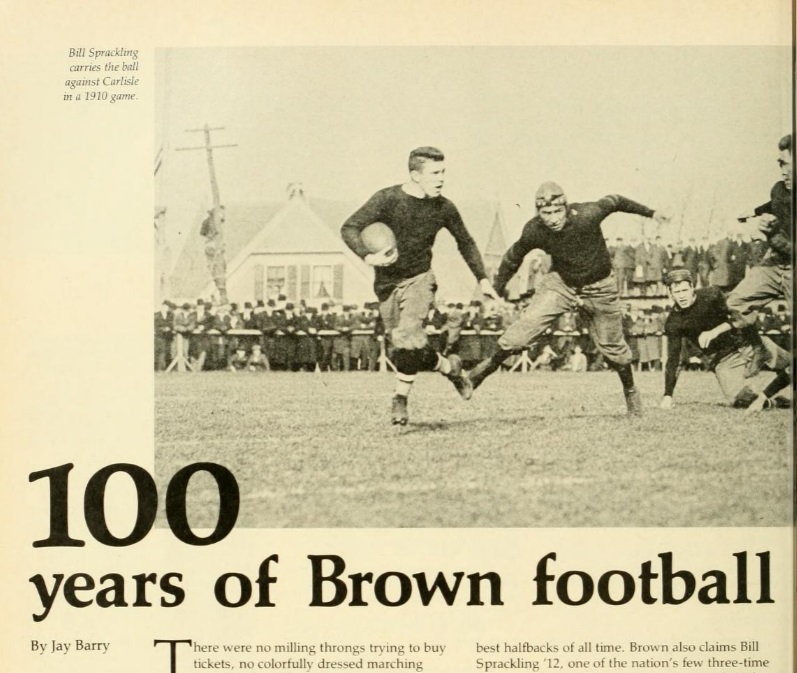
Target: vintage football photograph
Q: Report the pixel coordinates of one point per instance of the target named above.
(476, 287)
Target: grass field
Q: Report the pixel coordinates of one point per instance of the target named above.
(537, 450)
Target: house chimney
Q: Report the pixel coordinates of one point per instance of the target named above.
(295, 190)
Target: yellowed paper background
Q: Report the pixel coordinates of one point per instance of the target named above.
(78, 388)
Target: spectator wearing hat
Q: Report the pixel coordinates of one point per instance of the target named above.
(433, 323)
(284, 338)
(164, 332)
(184, 325)
(567, 324)
(623, 265)
(235, 316)
(324, 322)
(248, 321)
(452, 328)
(345, 322)
(470, 345)
(493, 324)
(377, 338)
(630, 315)
(650, 262)
(654, 328)
(636, 330)
(247, 316)
(254, 323)
(361, 340)
(676, 255)
(305, 356)
(219, 351)
(200, 342)
(234, 323)
(663, 262)
(277, 353)
(690, 257)
(264, 320)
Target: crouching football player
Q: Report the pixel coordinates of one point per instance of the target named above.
(404, 282)
(703, 317)
(580, 278)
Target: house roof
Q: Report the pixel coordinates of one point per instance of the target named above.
(242, 223)
(298, 225)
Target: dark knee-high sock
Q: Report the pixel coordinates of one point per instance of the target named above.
(777, 384)
(626, 375)
(488, 366)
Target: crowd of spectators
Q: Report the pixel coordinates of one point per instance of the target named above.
(640, 267)
(279, 335)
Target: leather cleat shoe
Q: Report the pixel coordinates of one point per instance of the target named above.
(633, 402)
(745, 398)
(760, 403)
(459, 377)
(478, 374)
(398, 411)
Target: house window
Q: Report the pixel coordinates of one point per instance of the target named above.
(337, 290)
(323, 282)
(275, 281)
(259, 282)
(290, 291)
(304, 281)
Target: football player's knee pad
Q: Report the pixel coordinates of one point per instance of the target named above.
(427, 359)
(413, 360)
(406, 361)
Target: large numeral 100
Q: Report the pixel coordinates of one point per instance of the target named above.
(146, 504)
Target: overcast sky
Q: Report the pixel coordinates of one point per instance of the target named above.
(666, 126)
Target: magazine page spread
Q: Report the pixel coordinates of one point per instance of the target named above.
(461, 338)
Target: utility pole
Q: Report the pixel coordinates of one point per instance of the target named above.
(213, 226)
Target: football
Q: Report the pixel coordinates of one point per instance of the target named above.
(378, 236)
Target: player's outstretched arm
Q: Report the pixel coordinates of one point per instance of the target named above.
(513, 258)
(671, 370)
(614, 203)
(487, 289)
(465, 244)
(661, 216)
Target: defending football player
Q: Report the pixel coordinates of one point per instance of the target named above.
(772, 279)
(703, 317)
(580, 278)
(404, 282)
